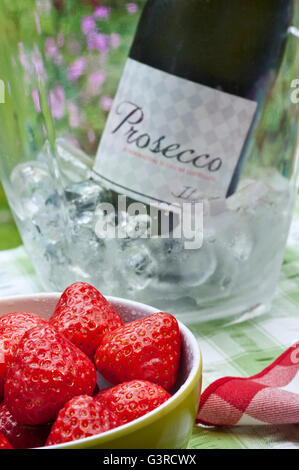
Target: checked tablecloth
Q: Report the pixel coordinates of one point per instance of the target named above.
(236, 348)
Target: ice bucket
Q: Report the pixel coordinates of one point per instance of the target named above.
(60, 64)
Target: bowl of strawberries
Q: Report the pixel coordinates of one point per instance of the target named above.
(79, 370)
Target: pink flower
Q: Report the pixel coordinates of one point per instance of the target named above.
(74, 47)
(57, 102)
(36, 102)
(51, 51)
(38, 63)
(76, 69)
(23, 58)
(88, 25)
(58, 59)
(102, 12)
(37, 22)
(60, 40)
(132, 8)
(50, 48)
(115, 40)
(95, 81)
(106, 103)
(74, 115)
(97, 41)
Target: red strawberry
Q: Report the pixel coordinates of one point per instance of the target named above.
(48, 370)
(21, 437)
(81, 417)
(4, 444)
(84, 316)
(13, 326)
(146, 349)
(130, 400)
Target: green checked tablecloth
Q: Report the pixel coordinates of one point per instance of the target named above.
(241, 347)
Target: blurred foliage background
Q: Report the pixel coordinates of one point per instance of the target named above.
(9, 235)
(90, 52)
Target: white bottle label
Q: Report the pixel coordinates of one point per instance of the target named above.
(168, 139)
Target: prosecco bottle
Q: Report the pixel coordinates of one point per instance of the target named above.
(189, 98)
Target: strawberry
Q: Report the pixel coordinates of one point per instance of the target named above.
(130, 400)
(81, 417)
(146, 349)
(21, 437)
(48, 370)
(4, 444)
(84, 316)
(12, 328)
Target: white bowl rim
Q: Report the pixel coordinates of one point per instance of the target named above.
(192, 342)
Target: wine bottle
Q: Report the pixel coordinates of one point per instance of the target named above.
(197, 76)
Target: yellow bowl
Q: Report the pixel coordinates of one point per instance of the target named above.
(167, 427)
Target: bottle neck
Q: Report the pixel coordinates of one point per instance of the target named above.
(232, 49)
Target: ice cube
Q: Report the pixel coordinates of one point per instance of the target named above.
(138, 267)
(105, 224)
(83, 196)
(241, 245)
(134, 226)
(33, 186)
(184, 268)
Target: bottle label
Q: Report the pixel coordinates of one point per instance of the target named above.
(171, 140)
